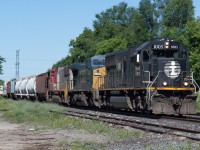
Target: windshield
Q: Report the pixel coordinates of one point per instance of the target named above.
(170, 53)
(98, 62)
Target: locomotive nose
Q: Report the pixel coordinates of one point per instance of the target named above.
(169, 72)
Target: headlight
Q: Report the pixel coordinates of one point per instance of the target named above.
(185, 83)
(165, 83)
(166, 45)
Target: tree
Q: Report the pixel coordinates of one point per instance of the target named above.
(110, 45)
(175, 16)
(1, 82)
(113, 21)
(148, 10)
(1, 67)
(63, 62)
(83, 47)
(192, 36)
(138, 29)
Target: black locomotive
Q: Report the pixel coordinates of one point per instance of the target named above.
(153, 77)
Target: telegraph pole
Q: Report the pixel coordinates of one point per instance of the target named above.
(17, 64)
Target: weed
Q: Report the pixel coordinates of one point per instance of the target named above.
(5, 104)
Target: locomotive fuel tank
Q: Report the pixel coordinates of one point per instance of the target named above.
(121, 102)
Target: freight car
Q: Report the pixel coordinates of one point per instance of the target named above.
(153, 76)
(25, 88)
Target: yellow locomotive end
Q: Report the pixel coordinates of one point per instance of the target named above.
(98, 78)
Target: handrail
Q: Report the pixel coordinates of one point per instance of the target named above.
(148, 90)
(194, 82)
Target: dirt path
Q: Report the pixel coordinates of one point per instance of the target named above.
(20, 137)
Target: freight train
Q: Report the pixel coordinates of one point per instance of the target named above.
(153, 76)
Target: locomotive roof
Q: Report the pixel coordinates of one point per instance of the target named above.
(77, 66)
(97, 56)
(141, 46)
(157, 42)
(117, 52)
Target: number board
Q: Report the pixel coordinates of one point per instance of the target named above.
(174, 47)
(160, 47)
(157, 46)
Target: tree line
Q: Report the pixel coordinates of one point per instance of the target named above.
(121, 26)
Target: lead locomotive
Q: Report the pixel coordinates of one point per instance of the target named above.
(153, 77)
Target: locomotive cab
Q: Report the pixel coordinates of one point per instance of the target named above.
(169, 65)
(170, 87)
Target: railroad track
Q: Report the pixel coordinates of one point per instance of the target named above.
(138, 124)
(188, 118)
(185, 118)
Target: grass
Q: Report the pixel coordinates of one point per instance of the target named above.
(198, 102)
(96, 127)
(80, 145)
(38, 115)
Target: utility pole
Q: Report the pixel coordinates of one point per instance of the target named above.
(17, 64)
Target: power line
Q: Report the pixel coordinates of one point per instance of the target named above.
(17, 64)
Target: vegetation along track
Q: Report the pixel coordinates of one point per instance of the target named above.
(156, 127)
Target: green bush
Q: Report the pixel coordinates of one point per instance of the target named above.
(198, 102)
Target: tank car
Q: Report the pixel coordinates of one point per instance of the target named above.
(1, 90)
(26, 88)
(5, 89)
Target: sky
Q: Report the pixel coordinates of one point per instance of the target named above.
(42, 30)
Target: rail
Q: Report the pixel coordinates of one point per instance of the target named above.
(138, 124)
